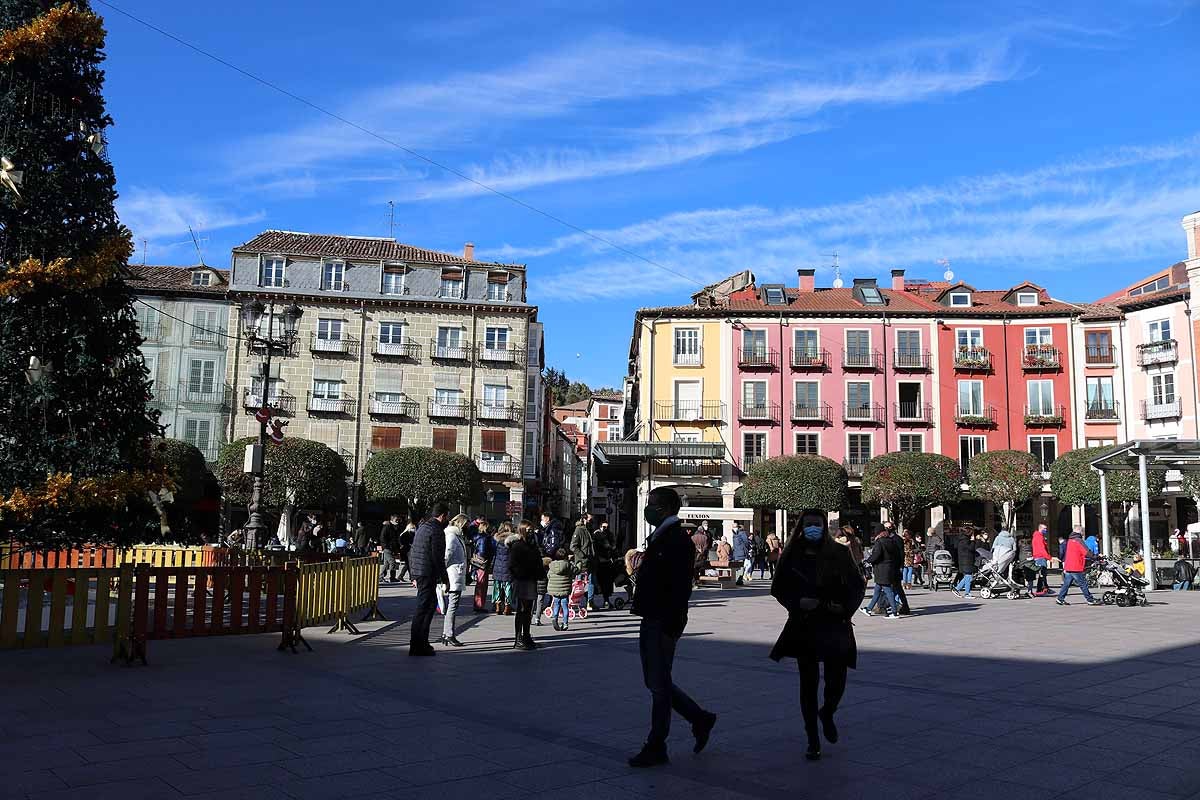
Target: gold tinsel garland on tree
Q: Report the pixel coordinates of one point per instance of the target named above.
(80, 274)
(63, 23)
(65, 493)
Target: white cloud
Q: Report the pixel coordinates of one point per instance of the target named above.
(1119, 206)
(157, 215)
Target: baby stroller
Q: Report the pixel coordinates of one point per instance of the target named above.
(942, 570)
(1129, 588)
(993, 581)
(577, 602)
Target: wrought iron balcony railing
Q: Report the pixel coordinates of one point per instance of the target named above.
(405, 348)
(318, 404)
(914, 413)
(1164, 352)
(863, 413)
(387, 406)
(814, 413)
(758, 358)
(855, 358)
(916, 360)
(973, 358)
(808, 358)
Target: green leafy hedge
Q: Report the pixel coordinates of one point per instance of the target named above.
(908, 483)
(1075, 483)
(794, 483)
(316, 474)
(1005, 476)
(419, 476)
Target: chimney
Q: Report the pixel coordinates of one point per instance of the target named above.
(808, 280)
(469, 251)
(897, 280)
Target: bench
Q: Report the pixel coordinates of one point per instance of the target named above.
(726, 576)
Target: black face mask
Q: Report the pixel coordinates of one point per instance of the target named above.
(653, 515)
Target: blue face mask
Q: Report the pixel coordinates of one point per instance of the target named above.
(814, 533)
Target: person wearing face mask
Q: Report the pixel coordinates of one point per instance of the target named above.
(660, 598)
(821, 587)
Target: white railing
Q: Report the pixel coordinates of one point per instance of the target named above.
(331, 345)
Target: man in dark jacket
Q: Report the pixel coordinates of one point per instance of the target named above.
(1185, 573)
(885, 559)
(664, 585)
(583, 550)
(389, 537)
(966, 564)
(551, 535)
(427, 563)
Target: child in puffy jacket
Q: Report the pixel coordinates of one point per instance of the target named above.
(558, 583)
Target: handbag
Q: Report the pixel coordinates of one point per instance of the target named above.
(478, 561)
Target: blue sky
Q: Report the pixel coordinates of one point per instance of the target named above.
(1056, 142)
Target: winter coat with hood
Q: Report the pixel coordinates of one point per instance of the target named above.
(966, 554)
(829, 576)
(583, 548)
(561, 572)
(456, 559)
(552, 537)
(885, 558)
(500, 568)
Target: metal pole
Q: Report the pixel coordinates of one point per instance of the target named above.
(1143, 487)
(1104, 531)
(257, 525)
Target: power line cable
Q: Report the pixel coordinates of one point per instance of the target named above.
(393, 143)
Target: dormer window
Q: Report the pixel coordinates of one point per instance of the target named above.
(871, 296)
(775, 296)
(1027, 298)
(497, 286)
(333, 276)
(394, 279)
(202, 277)
(452, 285)
(960, 299)
(272, 272)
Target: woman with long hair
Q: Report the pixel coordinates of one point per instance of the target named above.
(821, 587)
(525, 563)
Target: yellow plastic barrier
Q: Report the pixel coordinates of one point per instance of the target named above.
(81, 606)
(333, 590)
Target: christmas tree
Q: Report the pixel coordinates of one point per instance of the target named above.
(75, 458)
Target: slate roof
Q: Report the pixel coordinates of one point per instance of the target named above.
(293, 243)
(177, 280)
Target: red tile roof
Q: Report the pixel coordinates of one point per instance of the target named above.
(375, 249)
(160, 278)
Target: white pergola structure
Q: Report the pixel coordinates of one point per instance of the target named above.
(1141, 456)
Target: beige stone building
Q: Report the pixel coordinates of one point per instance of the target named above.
(398, 346)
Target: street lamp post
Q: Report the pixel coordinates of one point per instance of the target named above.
(270, 343)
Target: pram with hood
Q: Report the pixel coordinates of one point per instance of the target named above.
(992, 578)
(1129, 588)
(942, 570)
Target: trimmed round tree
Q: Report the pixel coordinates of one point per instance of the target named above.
(420, 476)
(299, 473)
(1010, 477)
(906, 484)
(795, 483)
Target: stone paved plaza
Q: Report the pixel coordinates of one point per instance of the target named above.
(982, 699)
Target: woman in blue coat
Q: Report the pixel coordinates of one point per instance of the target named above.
(502, 579)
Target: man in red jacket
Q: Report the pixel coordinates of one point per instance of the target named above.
(1041, 557)
(1074, 566)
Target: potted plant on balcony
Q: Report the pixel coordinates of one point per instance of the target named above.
(1040, 418)
(1074, 482)
(906, 484)
(973, 420)
(1010, 477)
(972, 357)
(419, 476)
(796, 482)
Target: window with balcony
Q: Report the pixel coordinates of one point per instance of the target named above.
(329, 330)
(497, 290)
(909, 405)
(912, 443)
(754, 449)
(1101, 401)
(858, 450)
(201, 376)
(273, 388)
(968, 448)
(272, 273)
(1159, 330)
(493, 456)
(808, 399)
(1044, 450)
(754, 345)
(1098, 347)
(970, 398)
(1041, 398)
(1162, 388)
(858, 395)
(1037, 337)
(198, 433)
(447, 402)
(968, 338)
(204, 327)
(908, 349)
(326, 389)
(754, 400)
(687, 347)
(392, 332)
(688, 403)
(808, 444)
(333, 276)
(858, 348)
(395, 281)
(449, 342)
(451, 288)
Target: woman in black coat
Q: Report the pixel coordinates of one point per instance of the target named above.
(821, 587)
(966, 563)
(525, 564)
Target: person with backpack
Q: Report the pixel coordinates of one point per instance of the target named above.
(1185, 573)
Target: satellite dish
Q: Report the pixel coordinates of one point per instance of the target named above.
(949, 273)
(838, 282)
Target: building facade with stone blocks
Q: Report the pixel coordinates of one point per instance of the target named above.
(182, 315)
(397, 346)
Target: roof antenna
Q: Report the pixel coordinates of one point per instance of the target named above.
(391, 220)
(143, 252)
(949, 273)
(837, 271)
(196, 244)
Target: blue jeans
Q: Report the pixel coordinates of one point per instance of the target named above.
(1079, 580)
(965, 584)
(559, 604)
(591, 590)
(906, 575)
(887, 592)
(1182, 586)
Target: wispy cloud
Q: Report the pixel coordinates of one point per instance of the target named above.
(162, 217)
(1108, 207)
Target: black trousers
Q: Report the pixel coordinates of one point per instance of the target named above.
(657, 650)
(423, 618)
(810, 679)
(523, 618)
